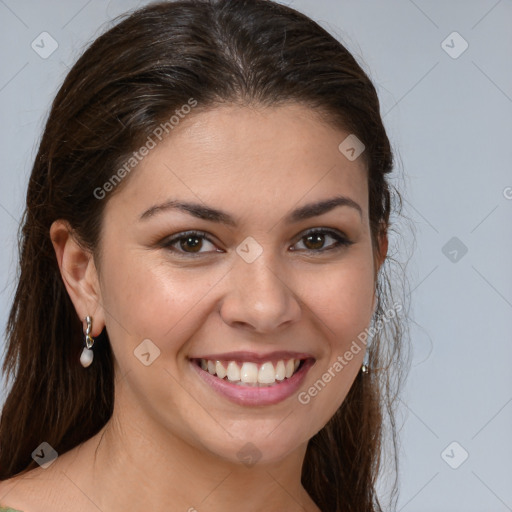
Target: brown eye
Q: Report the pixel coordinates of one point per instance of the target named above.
(314, 240)
(192, 242)
(188, 243)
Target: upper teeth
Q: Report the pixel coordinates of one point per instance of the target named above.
(252, 373)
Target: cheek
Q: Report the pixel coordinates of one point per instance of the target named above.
(147, 297)
(342, 298)
(341, 301)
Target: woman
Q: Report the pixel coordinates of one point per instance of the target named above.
(201, 272)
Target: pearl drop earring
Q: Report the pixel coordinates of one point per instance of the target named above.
(87, 354)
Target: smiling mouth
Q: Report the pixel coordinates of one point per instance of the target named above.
(250, 374)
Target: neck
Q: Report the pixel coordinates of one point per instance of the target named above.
(134, 465)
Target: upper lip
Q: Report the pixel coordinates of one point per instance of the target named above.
(253, 357)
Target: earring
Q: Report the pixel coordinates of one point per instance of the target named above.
(87, 354)
(365, 369)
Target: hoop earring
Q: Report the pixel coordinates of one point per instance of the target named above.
(87, 354)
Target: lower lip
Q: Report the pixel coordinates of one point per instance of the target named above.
(251, 395)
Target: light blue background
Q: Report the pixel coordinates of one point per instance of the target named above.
(450, 122)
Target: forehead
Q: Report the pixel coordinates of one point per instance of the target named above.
(251, 158)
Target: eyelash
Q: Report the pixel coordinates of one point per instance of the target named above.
(341, 241)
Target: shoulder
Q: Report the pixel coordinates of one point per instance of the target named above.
(8, 495)
(19, 493)
(40, 489)
(45, 489)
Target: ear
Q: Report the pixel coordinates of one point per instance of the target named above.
(79, 274)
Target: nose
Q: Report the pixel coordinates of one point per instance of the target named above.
(261, 297)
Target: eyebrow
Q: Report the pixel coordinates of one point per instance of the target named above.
(214, 215)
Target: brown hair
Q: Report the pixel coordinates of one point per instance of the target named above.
(129, 81)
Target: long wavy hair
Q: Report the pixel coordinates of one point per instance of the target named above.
(126, 83)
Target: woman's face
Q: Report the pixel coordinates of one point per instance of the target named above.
(253, 288)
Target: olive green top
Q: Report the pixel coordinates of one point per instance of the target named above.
(7, 509)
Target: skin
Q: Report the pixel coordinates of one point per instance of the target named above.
(172, 442)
